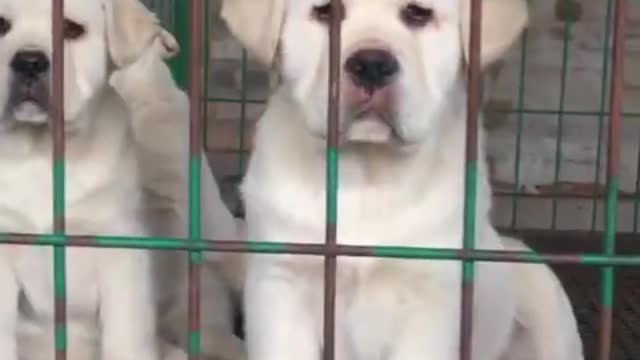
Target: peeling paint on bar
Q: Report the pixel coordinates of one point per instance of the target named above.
(613, 181)
(394, 252)
(332, 158)
(196, 57)
(471, 178)
(58, 167)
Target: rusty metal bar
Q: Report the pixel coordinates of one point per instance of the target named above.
(196, 39)
(471, 177)
(391, 252)
(58, 135)
(332, 181)
(613, 171)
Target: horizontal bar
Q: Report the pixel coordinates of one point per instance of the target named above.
(632, 114)
(562, 195)
(397, 252)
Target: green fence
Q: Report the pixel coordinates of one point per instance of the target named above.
(569, 16)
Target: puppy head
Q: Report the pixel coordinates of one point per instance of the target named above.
(400, 59)
(99, 34)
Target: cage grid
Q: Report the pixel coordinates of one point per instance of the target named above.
(188, 23)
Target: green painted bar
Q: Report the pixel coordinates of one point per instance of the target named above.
(59, 251)
(611, 222)
(195, 192)
(180, 63)
(603, 104)
(332, 185)
(195, 204)
(636, 199)
(243, 114)
(520, 115)
(400, 252)
(629, 114)
(470, 200)
(568, 34)
(180, 70)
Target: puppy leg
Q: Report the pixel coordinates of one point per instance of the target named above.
(547, 328)
(8, 312)
(217, 338)
(405, 316)
(428, 335)
(279, 326)
(127, 310)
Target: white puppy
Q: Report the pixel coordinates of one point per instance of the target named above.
(109, 299)
(160, 119)
(402, 140)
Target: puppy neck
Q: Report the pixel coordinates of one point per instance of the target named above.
(23, 141)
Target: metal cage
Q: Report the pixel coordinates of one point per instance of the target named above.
(186, 20)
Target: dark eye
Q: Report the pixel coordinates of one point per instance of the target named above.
(416, 16)
(72, 30)
(5, 26)
(324, 13)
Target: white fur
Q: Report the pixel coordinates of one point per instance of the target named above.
(545, 325)
(116, 184)
(106, 288)
(160, 112)
(404, 190)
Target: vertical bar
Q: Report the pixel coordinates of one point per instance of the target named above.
(196, 11)
(57, 114)
(180, 63)
(603, 101)
(243, 113)
(207, 73)
(636, 195)
(613, 183)
(523, 70)
(568, 34)
(332, 180)
(471, 178)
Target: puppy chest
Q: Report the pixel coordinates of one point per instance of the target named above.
(34, 273)
(373, 301)
(26, 196)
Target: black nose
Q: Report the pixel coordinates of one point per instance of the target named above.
(372, 68)
(30, 63)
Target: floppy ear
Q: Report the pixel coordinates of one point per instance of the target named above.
(131, 28)
(502, 23)
(256, 24)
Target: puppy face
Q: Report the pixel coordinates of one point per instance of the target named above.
(400, 59)
(99, 34)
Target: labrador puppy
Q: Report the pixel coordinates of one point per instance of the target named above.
(160, 119)
(402, 167)
(110, 301)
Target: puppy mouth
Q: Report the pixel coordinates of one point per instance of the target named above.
(371, 117)
(29, 101)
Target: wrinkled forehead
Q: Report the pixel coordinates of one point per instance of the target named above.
(443, 6)
(78, 10)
